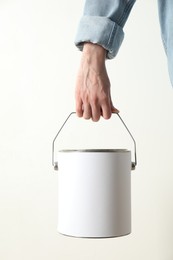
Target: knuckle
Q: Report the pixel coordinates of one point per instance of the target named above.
(94, 99)
(104, 98)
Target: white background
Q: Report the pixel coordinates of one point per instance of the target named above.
(38, 65)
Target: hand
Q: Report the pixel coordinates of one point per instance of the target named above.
(93, 98)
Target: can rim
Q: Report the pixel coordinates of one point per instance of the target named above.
(95, 150)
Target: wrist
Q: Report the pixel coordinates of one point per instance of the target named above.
(94, 55)
(94, 51)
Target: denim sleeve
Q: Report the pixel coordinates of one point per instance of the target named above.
(102, 23)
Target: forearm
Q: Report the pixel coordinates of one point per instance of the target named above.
(102, 23)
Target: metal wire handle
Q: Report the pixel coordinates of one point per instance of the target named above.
(55, 164)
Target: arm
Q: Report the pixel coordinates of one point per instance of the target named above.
(99, 35)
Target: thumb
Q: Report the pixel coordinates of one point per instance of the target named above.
(114, 110)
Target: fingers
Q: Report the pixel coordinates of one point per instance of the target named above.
(106, 111)
(94, 111)
(87, 112)
(79, 108)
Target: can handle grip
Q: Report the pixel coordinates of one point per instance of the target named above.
(55, 164)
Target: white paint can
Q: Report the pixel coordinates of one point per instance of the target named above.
(94, 192)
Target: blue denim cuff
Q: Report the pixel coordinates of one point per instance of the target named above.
(102, 31)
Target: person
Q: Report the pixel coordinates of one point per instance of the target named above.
(99, 37)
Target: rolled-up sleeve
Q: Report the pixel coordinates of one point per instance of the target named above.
(102, 23)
